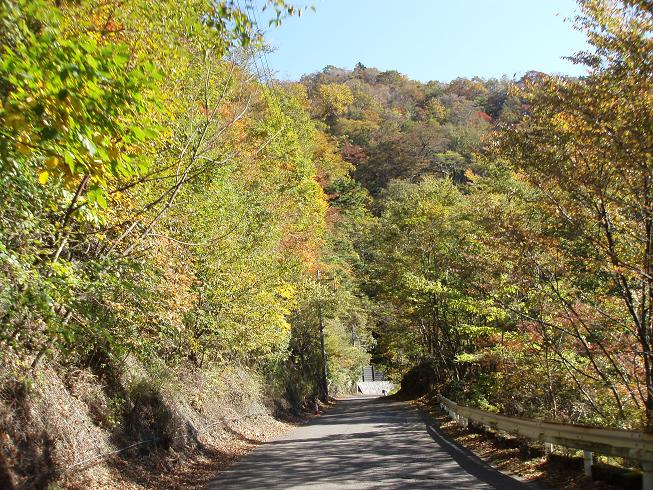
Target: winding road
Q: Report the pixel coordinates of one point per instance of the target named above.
(364, 444)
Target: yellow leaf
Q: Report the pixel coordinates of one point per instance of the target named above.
(469, 173)
(24, 149)
(43, 177)
(52, 162)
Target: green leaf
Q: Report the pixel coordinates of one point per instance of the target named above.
(88, 145)
(138, 133)
(69, 158)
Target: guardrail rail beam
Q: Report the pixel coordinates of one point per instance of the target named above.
(628, 444)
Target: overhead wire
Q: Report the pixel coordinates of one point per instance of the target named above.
(251, 50)
(264, 54)
(263, 58)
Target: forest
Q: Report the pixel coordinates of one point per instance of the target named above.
(171, 215)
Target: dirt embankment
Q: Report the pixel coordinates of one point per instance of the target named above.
(132, 429)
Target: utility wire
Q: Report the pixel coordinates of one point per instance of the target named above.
(251, 51)
(249, 5)
(263, 52)
(262, 55)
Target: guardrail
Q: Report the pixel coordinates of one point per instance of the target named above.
(628, 444)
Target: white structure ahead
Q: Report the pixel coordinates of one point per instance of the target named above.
(373, 382)
(374, 387)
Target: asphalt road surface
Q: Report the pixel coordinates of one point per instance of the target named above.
(363, 444)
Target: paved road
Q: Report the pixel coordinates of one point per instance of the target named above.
(363, 444)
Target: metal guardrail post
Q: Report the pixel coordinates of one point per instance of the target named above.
(647, 475)
(548, 449)
(588, 460)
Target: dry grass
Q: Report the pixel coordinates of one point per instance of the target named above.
(191, 469)
(53, 429)
(46, 428)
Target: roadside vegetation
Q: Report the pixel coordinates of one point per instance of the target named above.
(163, 213)
(510, 251)
(165, 208)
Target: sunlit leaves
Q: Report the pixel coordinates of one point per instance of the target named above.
(72, 107)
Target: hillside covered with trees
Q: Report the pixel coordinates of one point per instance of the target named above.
(510, 243)
(175, 229)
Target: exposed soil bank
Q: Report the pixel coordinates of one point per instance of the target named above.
(132, 429)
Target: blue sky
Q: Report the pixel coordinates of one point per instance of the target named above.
(428, 39)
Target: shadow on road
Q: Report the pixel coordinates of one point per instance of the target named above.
(363, 443)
